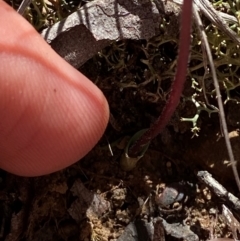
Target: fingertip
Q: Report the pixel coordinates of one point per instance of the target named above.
(50, 121)
(51, 115)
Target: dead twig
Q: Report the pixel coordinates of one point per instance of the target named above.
(218, 189)
(218, 94)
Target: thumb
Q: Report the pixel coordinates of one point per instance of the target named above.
(51, 115)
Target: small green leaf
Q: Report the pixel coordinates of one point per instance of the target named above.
(127, 163)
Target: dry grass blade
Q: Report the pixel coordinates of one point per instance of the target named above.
(216, 18)
(23, 6)
(218, 94)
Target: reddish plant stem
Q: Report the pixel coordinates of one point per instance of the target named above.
(177, 86)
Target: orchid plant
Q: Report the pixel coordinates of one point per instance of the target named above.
(139, 143)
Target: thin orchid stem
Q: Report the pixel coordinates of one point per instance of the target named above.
(177, 86)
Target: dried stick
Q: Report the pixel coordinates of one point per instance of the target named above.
(218, 189)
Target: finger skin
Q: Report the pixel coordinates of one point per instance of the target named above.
(51, 115)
